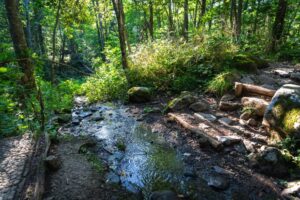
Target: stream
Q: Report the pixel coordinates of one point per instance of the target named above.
(138, 159)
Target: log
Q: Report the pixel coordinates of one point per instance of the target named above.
(213, 141)
(242, 88)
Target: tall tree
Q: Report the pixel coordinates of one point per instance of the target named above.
(53, 65)
(151, 25)
(118, 8)
(278, 25)
(239, 20)
(170, 18)
(186, 20)
(20, 44)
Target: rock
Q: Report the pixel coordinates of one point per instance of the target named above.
(64, 118)
(84, 114)
(229, 140)
(112, 178)
(247, 80)
(228, 106)
(218, 182)
(293, 188)
(270, 161)
(283, 113)
(199, 106)
(282, 73)
(205, 117)
(189, 172)
(249, 146)
(244, 63)
(75, 122)
(295, 77)
(183, 101)
(97, 116)
(258, 105)
(139, 94)
(53, 162)
(222, 171)
(252, 122)
(227, 97)
(225, 121)
(163, 195)
(245, 115)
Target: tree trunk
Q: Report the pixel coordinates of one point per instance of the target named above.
(151, 25)
(118, 8)
(28, 24)
(186, 20)
(239, 19)
(202, 12)
(256, 16)
(196, 13)
(20, 45)
(210, 21)
(53, 65)
(278, 25)
(170, 18)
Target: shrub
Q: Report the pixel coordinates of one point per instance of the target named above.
(223, 82)
(108, 83)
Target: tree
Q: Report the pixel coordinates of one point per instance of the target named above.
(118, 8)
(278, 25)
(170, 18)
(186, 20)
(151, 24)
(20, 44)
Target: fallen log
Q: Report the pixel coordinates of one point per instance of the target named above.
(213, 141)
(242, 88)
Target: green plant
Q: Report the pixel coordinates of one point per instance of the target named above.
(108, 83)
(121, 145)
(222, 82)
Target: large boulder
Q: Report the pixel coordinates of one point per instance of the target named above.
(139, 94)
(283, 113)
(183, 101)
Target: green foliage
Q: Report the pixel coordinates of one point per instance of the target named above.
(222, 82)
(291, 146)
(59, 98)
(108, 83)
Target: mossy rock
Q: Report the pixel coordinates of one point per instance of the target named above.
(139, 94)
(244, 63)
(283, 113)
(183, 101)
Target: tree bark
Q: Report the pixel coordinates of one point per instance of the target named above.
(28, 24)
(53, 66)
(202, 12)
(278, 25)
(170, 18)
(239, 20)
(186, 20)
(151, 23)
(241, 88)
(118, 8)
(20, 45)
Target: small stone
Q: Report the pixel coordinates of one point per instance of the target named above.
(222, 171)
(206, 117)
(228, 140)
(97, 117)
(252, 122)
(225, 121)
(228, 106)
(112, 178)
(218, 182)
(189, 172)
(247, 80)
(249, 146)
(53, 162)
(163, 195)
(75, 122)
(199, 106)
(282, 73)
(295, 77)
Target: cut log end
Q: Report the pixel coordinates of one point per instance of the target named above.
(241, 88)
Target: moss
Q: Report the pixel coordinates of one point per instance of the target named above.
(244, 63)
(290, 118)
(278, 111)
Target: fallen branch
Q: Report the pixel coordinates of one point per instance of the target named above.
(213, 141)
(241, 88)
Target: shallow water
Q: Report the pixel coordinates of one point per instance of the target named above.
(148, 163)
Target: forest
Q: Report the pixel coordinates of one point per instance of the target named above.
(149, 99)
